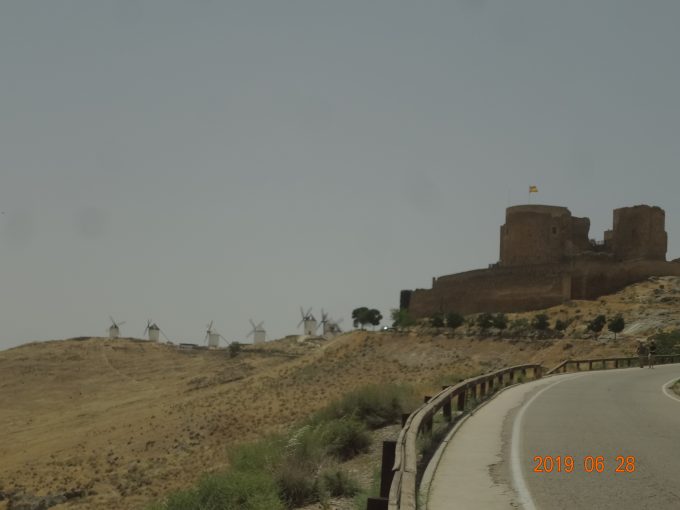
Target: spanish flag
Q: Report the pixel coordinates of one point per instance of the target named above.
(533, 189)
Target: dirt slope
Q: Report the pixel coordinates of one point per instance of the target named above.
(128, 420)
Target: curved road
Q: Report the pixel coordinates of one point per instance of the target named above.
(489, 462)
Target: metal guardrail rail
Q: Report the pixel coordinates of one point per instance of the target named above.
(398, 490)
(399, 474)
(620, 362)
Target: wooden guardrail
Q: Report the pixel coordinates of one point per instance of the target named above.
(398, 484)
(604, 363)
(398, 489)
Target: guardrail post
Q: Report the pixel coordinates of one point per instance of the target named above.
(404, 417)
(377, 504)
(446, 410)
(512, 376)
(386, 474)
(538, 372)
(500, 380)
(461, 400)
(482, 390)
(616, 363)
(524, 373)
(590, 365)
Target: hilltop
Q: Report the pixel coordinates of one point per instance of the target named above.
(118, 423)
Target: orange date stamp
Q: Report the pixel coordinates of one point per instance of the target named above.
(588, 464)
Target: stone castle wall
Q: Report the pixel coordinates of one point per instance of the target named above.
(546, 258)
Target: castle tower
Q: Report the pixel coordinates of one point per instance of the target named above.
(541, 234)
(639, 233)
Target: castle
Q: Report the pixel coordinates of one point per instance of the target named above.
(547, 258)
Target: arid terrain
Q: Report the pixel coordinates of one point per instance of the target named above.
(118, 423)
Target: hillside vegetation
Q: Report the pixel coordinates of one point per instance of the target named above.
(119, 423)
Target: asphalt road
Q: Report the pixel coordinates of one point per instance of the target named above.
(603, 421)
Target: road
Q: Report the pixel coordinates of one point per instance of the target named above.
(620, 418)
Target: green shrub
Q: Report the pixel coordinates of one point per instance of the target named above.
(484, 320)
(454, 320)
(519, 326)
(561, 325)
(668, 343)
(437, 320)
(500, 321)
(338, 483)
(261, 455)
(235, 490)
(346, 438)
(540, 322)
(374, 405)
(297, 484)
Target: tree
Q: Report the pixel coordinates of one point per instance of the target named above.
(484, 320)
(540, 322)
(401, 318)
(234, 349)
(500, 321)
(597, 324)
(374, 317)
(616, 325)
(454, 320)
(364, 315)
(437, 320)
(360, 316)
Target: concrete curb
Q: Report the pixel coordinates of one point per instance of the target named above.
(426, 482)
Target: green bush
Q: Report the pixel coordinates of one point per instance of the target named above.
(484, 320)
(668, 343)
(297, 483)
(597, 323)
(519, 326)
(374, 405)
(454, 320)
(500, 321)
(437, 320)
(346, 438)
(235, 490)
(337, 483)
(561, 325)
(261, 455)
(540, 322)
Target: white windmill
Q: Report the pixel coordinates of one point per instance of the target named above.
(308, 322)
(114, 328)
(213, 337)
(258, 333)
(330, 327)
(153, 330)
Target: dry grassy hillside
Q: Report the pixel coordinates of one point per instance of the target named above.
(117, 423)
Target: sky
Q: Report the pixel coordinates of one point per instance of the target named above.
(227, 160)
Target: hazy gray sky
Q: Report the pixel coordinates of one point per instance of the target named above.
(222, 160)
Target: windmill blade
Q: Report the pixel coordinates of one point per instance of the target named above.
(302, 313)
(259, 326)
(210, 325)
(250, 334)
(252, 323)
(112, 320)
(145, 330)
(121, 323)
(309, 312)
(300, 323)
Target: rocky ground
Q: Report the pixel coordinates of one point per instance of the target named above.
(96, 423)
